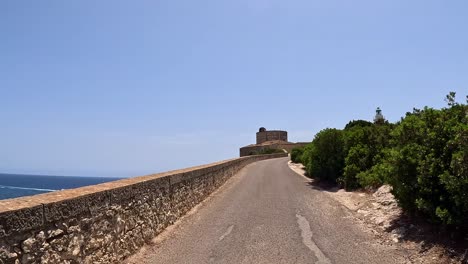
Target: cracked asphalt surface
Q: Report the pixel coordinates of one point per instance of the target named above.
(268, 214)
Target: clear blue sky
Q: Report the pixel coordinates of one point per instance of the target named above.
(121, 88)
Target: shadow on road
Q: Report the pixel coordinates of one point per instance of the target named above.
(323, 186)
(319, 185)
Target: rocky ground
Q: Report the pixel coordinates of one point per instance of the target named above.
(380, 214)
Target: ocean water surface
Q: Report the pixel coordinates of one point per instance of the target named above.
(17, 185)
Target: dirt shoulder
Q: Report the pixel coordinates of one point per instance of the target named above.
(379, 213)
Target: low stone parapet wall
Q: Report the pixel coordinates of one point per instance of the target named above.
(288, 146)
(107, 222)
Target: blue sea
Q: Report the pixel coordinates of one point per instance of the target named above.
(17, 185)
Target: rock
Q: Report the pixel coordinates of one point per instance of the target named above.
(17, 250)
(2, 231)
(384, 196)
(7, 255)
(52, 258)
(73, 229)
(27, 258)
(28, 245)
(75, 245)
(364, 212)
(400, 231)
(60, 243)
(40, 237)
(379, 220)
(54, 233)
(120, 225)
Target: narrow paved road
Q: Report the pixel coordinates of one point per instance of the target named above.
(268, 214)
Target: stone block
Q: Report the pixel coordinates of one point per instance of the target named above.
(22, 220)
(139, 191)
(81, 206)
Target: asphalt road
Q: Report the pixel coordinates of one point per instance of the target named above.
(268, 214)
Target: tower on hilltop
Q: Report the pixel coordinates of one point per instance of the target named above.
(264, 135)
(270, 141)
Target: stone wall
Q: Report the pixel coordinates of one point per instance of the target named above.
(288, 146)
(107, 222)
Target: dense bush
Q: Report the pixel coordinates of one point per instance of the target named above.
(296, 155)
(364, 144)
(357, 123)
(324, 157)
(305, 158)
(427, 165)
(424, 157)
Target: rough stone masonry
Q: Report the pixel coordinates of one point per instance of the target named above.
(107, 222)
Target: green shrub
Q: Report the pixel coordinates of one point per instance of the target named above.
(364, 142)
(324, 158)
(357, 123)
(296, 155)
(356, 161)
(428, 165)
(374, 177)
(305, 157)
(424, 157)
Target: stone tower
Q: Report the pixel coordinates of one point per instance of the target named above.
(264, 135)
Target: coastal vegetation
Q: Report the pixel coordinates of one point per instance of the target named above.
(424, 157)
